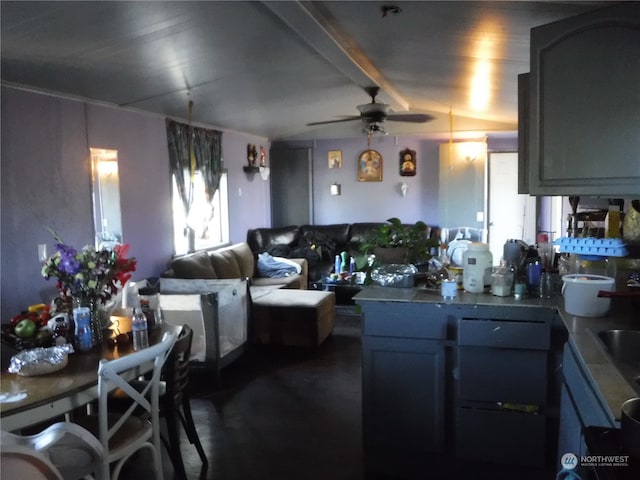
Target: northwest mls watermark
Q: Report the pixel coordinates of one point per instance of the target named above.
(569, 461)
(604, 460)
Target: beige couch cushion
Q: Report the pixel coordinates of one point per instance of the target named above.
(197, 265)
(245, 259)
(225, 264)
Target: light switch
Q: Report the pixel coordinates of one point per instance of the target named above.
(480, 217)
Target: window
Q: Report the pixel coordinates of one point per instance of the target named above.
(209, 220)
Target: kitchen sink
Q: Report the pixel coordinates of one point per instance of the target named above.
(622, 345)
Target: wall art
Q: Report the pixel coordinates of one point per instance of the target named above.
(335, 158)
(370, 166)
(407, 163)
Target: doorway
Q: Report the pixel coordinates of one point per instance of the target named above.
(511, 215)
(291, 187)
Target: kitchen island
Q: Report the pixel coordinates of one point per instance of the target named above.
(478, 378)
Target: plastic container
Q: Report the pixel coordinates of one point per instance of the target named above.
(502, 281)
(477, 264)
(139, 329)
(580, 292)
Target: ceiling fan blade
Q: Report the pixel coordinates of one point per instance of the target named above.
(409, 117)
(347, 119)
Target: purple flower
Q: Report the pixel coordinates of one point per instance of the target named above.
(68, 262)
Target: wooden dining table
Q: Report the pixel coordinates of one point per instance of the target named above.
(29, 400)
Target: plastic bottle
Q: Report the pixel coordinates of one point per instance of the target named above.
(139, 328)
(534, 270)
(150, 305)
(337, 263)
(60, 332)
(343, 262)
(477, 262)
(83, 335)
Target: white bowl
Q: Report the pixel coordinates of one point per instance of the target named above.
(580, 292)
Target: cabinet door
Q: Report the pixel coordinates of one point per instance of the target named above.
(523, 133)
(513, 438)
(585, 104)
(403, 394)
(570, 435)
(589, 404)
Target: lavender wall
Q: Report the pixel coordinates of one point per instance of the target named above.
(249, 202)
(46, 183)
(376, 201)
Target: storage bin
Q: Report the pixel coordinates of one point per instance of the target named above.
(580, 292)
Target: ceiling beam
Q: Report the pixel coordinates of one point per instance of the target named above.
(315, 25)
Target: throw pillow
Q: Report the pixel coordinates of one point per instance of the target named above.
(197, 265)
(245, 259)
(225, 264)
(322, 243)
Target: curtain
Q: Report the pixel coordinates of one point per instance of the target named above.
(193, 149)
(208, 158)
(179, 144)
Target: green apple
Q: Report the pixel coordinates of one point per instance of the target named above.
(25, 328)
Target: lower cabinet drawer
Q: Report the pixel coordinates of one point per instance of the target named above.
(404, 320)
(502, 437)
(504, 334)
(503, 375)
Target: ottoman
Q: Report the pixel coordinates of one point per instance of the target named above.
(302, 318)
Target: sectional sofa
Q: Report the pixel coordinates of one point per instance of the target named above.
(297, 316)
(318, 244)
(235, 261)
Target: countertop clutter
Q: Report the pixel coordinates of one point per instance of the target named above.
(608, 381)
(527, 371)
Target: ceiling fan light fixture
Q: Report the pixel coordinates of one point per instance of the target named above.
(373, 128)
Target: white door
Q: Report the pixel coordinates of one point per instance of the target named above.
(511, 215)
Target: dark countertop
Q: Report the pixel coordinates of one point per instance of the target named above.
(609, 383)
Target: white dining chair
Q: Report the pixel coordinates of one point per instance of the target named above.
(71, 450)
(19, 461)
(123, 433)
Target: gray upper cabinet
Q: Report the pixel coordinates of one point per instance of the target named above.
(584, 105)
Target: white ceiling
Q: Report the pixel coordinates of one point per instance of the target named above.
(269, 68)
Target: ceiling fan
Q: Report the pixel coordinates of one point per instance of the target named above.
(373, 114)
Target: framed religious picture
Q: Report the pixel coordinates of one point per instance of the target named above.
(370, 166)
(335, 158)
(407, 163)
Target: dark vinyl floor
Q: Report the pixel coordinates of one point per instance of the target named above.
(290, 414)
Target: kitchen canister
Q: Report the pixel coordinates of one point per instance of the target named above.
(477, 263)
(580, 292)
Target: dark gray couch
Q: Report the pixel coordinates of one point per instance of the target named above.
(318, 244)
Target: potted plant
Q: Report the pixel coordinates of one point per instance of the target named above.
(395, 242)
